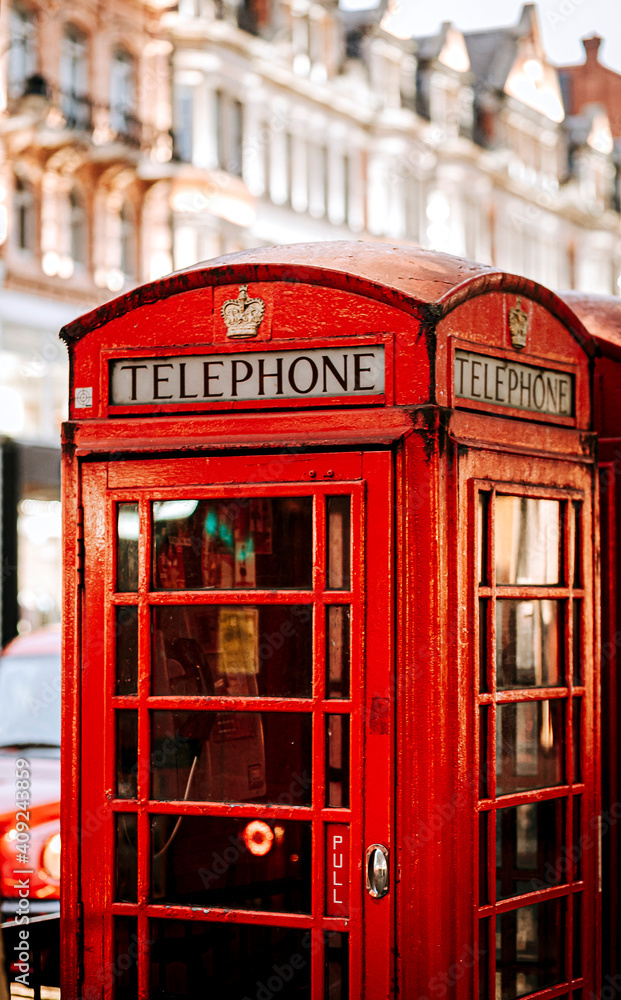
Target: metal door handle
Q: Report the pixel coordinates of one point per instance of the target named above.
(377, 871)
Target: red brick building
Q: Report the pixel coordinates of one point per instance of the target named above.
(593, 83)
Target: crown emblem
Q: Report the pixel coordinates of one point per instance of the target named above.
(243, 315)
(518, 326)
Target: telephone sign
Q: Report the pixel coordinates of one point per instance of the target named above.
(508, 383)
(253, 375)
(330, 657)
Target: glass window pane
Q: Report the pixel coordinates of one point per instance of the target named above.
(337, 761)
(233, 544)
(483, 893)
(241, 651)
(482, 529)
(577, 948)
(483, 755)
(125, 958)
(527, 541)
(528, 647)
(337, 965)
(577, 849)
(126, 755)
(128, 530)
(240, 863)
(231, 958)
(126, 650)
(337, 637)
(484, 959)
(529, 949)
(126, 855)
(530, 852)
(232, 757)
(529, 745)
(577, 507)
(483, 629)
(339, 543)
(577, 743)
(577, 644)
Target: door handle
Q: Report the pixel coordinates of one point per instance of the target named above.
(377, 870)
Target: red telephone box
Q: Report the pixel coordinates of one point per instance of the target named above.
(602, 317)
(330, 644)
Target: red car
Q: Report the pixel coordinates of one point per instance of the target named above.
(30, 688)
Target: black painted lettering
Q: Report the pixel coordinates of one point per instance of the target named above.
(525, 388)
(133, 369)
(500, 374)
(552, 393)
(157, 379)
(475, 378)
(539, 384)
(459, 389)
(182, 393)
(277, 375)
(341, 379)
(208, 377)
(314, 375)
(513, 383)
(235, 380)
(358, 370)
(486, 391)
(563, 390)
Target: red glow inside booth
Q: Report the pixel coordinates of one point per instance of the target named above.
(331, 697)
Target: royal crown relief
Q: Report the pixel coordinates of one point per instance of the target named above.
(243, 315)
(518, 325)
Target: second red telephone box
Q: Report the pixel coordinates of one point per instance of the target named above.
(330, 723)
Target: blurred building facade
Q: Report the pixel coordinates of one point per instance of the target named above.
(139, 137)
(84, 125)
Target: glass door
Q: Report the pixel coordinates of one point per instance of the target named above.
(538, 836)
(224, 729)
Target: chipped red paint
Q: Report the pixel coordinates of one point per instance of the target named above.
(414, 459)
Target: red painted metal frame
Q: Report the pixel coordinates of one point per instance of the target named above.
(371, 740)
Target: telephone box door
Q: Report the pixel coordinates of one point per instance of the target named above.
(236, 728)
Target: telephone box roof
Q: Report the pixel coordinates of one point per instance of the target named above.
(421, 281)
(601, 315)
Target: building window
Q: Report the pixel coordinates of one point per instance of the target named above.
(77, 229)
(229, 133)
(22, 51)
(253, 16)
(25, 216)
(346, 187)
(189, 9)
(184, 122)
(74, 100)
(317, 179)
(289, 166)
(123, 96)
(128, 242)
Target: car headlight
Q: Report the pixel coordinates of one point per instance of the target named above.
(51, 856)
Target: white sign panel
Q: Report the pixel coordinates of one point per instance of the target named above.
(509, 383)
(333, 371)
